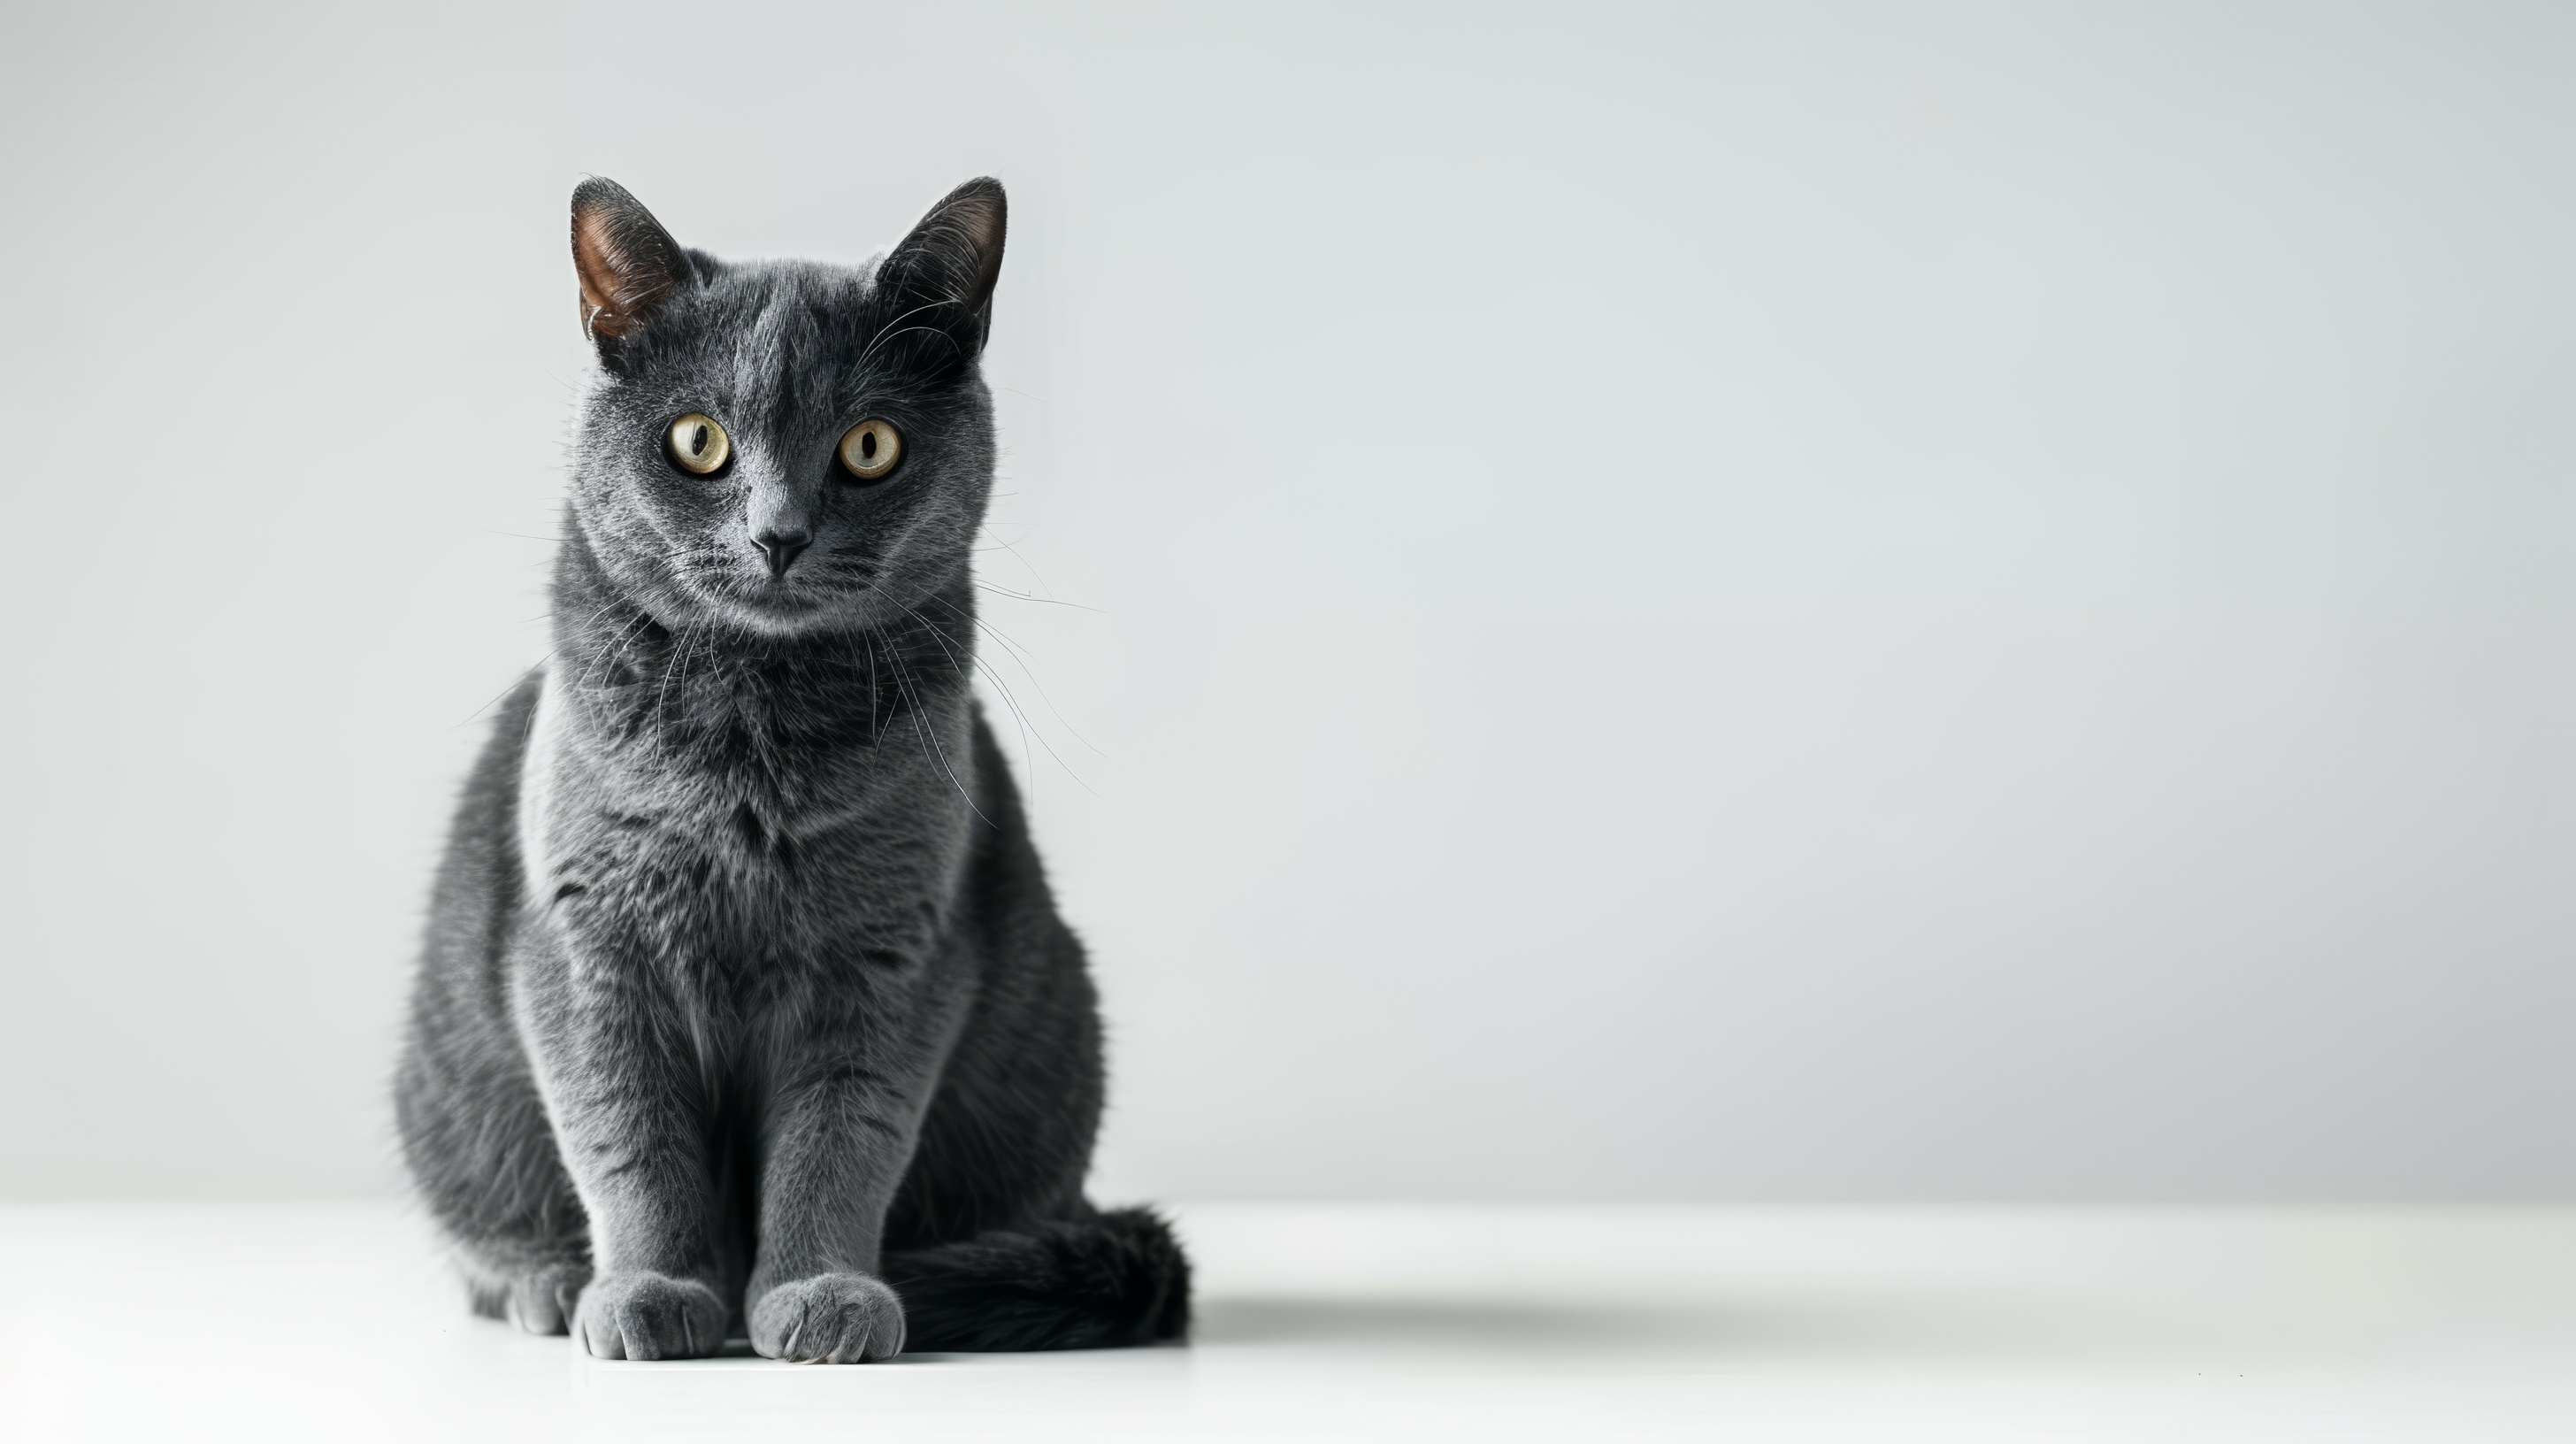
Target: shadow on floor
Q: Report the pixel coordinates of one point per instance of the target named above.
(1418, 1322)
(1935, 1328)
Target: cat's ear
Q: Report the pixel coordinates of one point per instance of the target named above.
(629, 265)
(944, 271)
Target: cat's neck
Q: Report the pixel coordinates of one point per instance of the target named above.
(702, 684)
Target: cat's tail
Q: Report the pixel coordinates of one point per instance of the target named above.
(1102, 1281)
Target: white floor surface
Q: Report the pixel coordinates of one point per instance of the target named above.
(338, 1322)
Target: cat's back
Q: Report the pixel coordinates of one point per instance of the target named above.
(479, 879)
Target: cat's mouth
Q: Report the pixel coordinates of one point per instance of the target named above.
(778, 604)
(785, 597)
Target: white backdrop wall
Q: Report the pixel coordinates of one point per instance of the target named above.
(1950, 601)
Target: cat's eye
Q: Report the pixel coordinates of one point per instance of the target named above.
(870, 449)
(698, 444)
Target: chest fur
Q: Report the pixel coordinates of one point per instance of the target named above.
(741, 854)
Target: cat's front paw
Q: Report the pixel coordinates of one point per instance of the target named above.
(649, 1316)
(828, 1319)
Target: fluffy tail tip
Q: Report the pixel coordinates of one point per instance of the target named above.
(1107, 1281)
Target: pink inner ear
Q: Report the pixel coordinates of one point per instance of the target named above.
(602, 271)
(982, 218)
(978, 218)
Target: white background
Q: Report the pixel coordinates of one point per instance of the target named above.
(1802, 602)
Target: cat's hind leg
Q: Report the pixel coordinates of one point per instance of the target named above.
(484, 1158)
(536, 1291)
(522, 1245)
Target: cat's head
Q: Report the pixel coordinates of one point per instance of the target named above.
(778, 447)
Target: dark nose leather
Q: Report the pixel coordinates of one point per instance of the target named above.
(782, 548)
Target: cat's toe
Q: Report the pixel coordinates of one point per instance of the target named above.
(829, 1319)
(649, 1316)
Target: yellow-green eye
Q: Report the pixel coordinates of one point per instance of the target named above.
(870, 449)
(699, 444)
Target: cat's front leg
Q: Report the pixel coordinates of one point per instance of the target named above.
(615, 1061)
(844, 1113)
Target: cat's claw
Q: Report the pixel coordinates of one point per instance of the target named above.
(828, 1319)
(649, 1316)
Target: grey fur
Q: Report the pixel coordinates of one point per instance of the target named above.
(744, 994)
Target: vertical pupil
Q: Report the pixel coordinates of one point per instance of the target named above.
(868, 445)
(698, 440)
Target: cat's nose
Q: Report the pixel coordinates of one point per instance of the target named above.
(782, 547)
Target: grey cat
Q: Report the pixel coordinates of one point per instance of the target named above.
(745, 1005)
